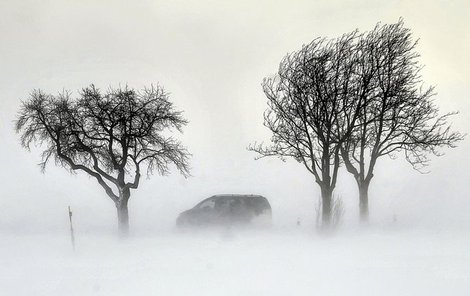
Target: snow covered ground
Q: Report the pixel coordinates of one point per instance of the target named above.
(276, 262)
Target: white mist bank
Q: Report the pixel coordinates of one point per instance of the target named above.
(294, 262)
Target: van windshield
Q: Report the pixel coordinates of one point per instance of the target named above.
(206, 204)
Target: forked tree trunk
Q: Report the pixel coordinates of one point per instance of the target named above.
(326, 195)
(364, 202)
(123, 217)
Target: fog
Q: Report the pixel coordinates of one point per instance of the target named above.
(212, 56)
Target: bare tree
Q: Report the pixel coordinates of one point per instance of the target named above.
(109, 136)
(304, 115)
(397, 113)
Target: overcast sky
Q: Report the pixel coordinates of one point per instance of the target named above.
(212, 56)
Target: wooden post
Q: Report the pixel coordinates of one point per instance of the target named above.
(71, 229)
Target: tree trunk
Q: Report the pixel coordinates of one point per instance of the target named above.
(326, 194)
(123, 217)
(364, 202)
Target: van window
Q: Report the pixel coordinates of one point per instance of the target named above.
(207, 204)
(222, 204)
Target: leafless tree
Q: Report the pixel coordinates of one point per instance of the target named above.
(304, 114)
(109, 136)
(397, 113)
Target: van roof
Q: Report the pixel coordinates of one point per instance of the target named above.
(236, 195)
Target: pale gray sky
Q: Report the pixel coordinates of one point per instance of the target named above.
(211, 56)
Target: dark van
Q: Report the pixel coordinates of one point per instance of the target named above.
(228, 209)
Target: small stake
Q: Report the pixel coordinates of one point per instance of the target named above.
(72, 237)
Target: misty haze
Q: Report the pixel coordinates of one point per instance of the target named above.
(234, 148)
